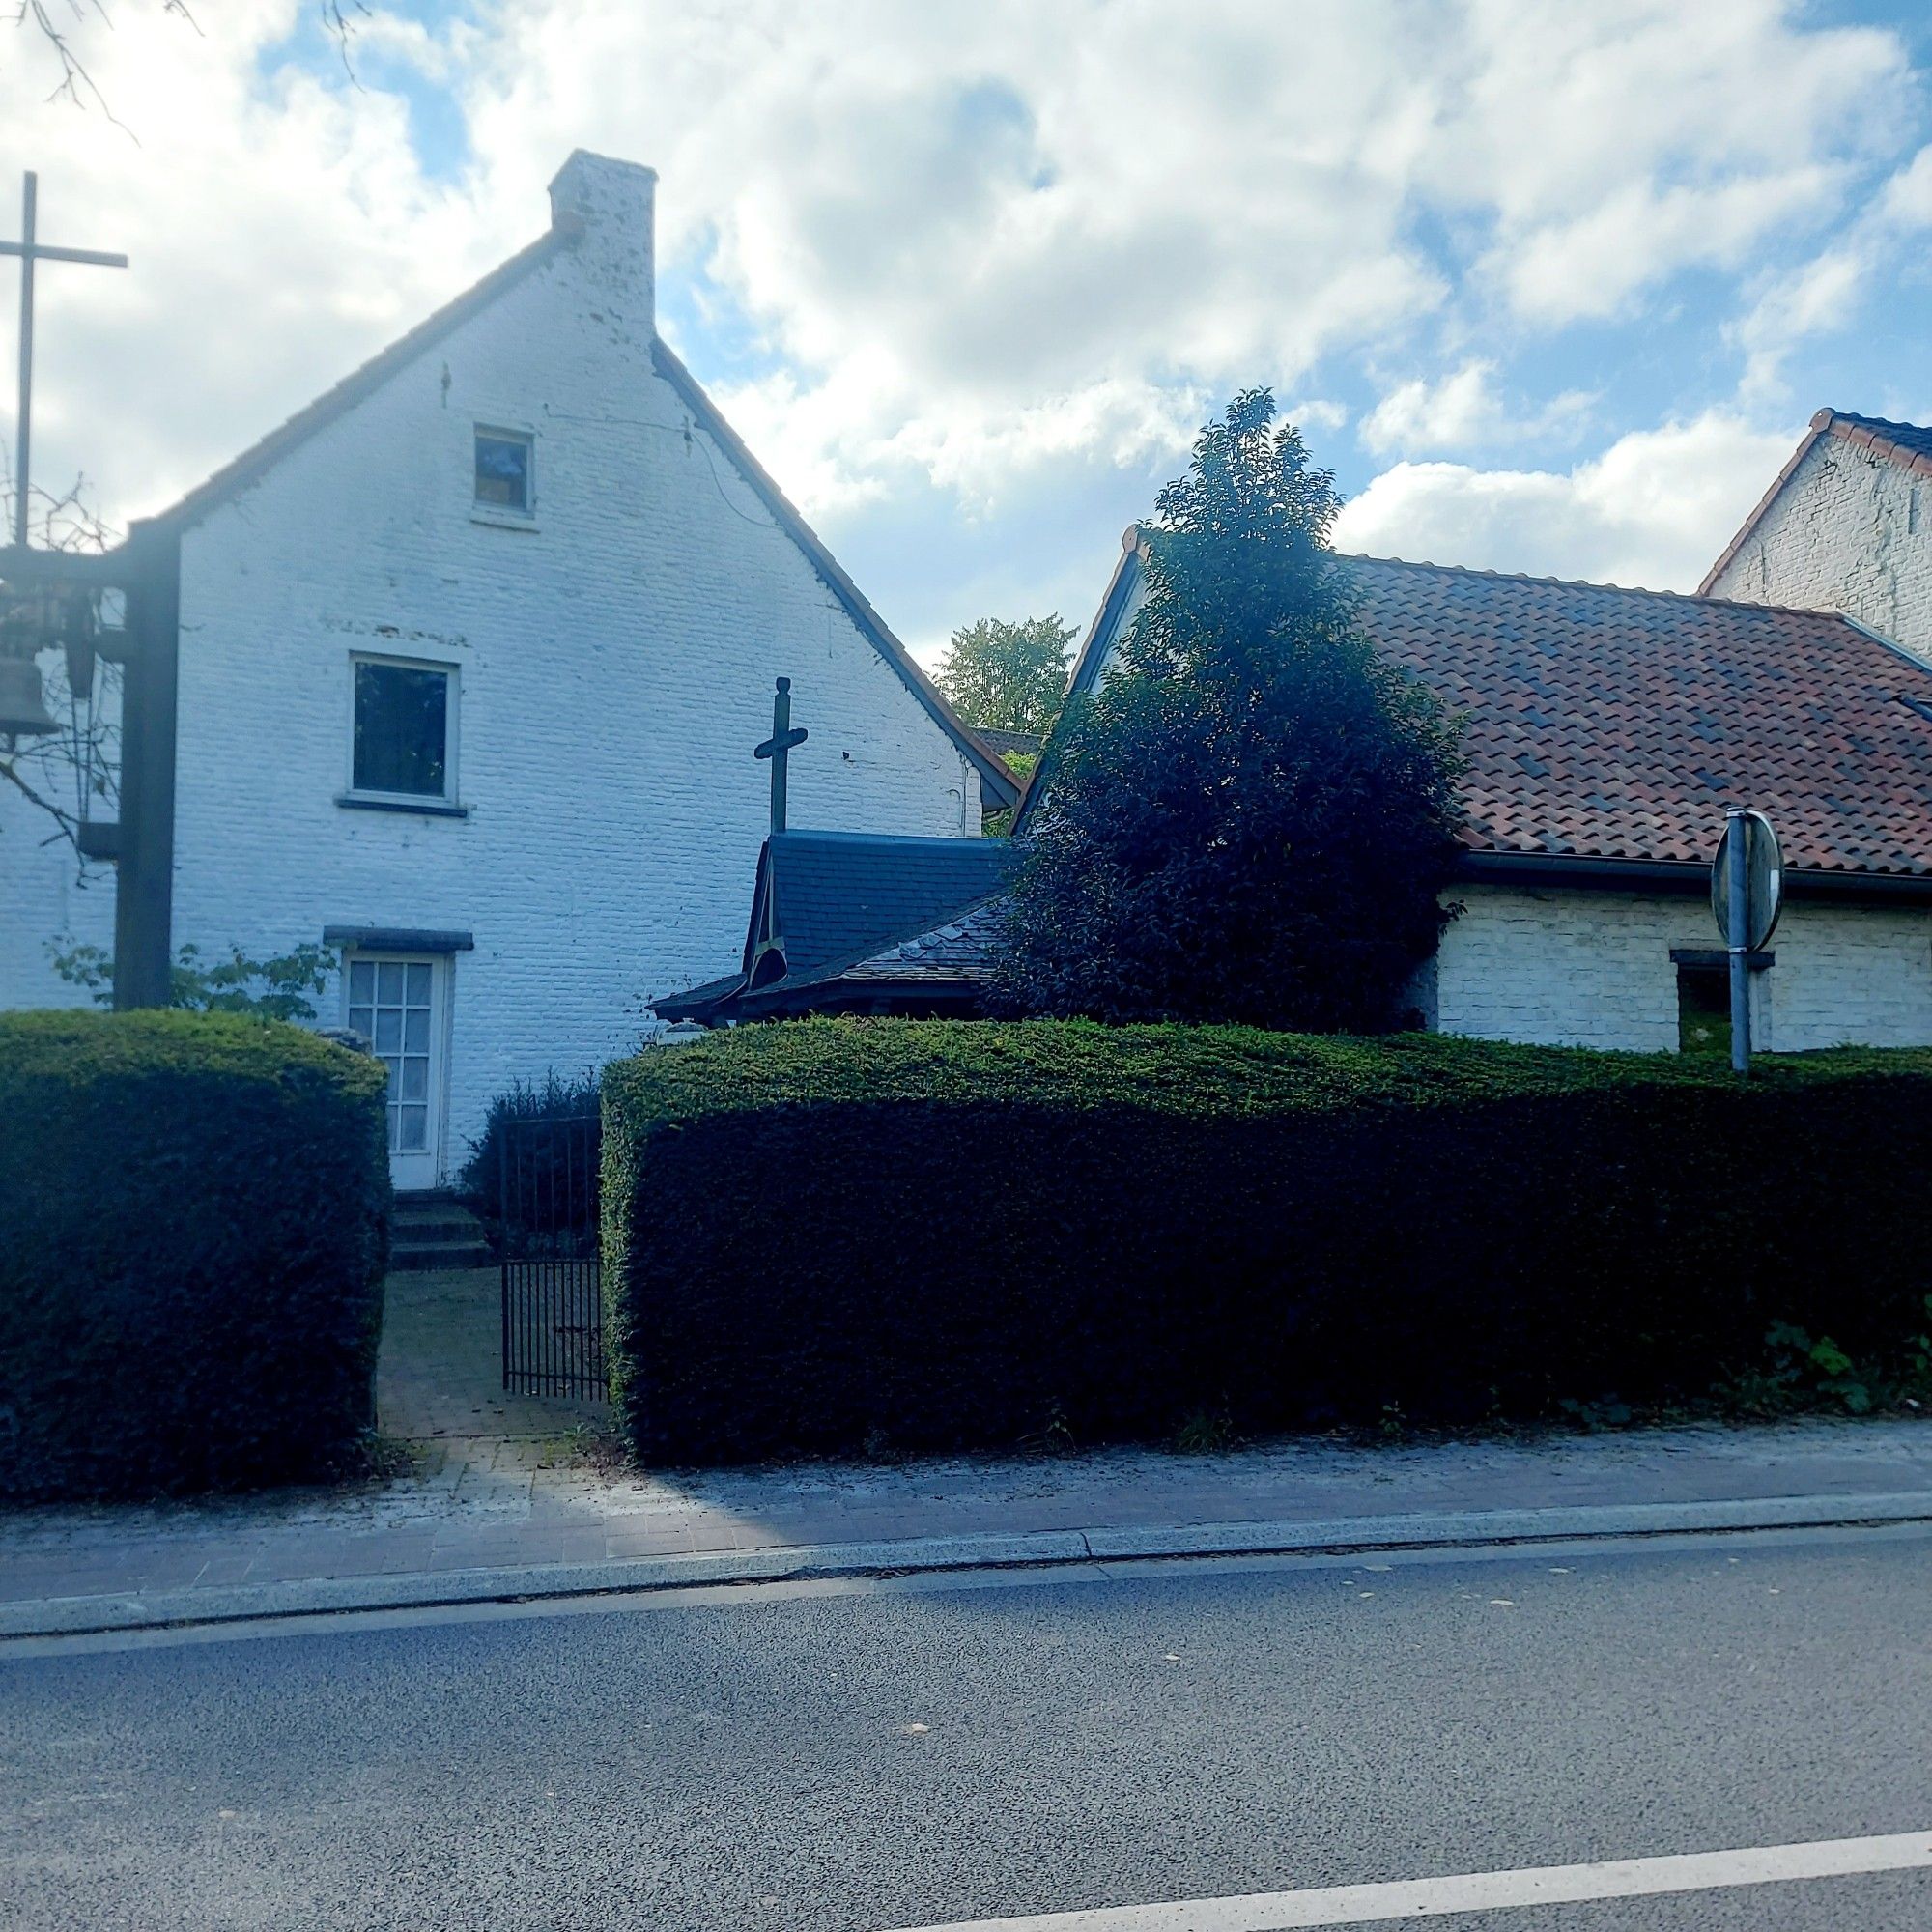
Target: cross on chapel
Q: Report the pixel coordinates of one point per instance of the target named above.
(30, 250)
(777, 748)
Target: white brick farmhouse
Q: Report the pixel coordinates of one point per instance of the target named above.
(470, 656)
(1847, 527)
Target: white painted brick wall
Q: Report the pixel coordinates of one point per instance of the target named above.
(1565, 968)
(47, 895)
(1850, 531)
(615, 666)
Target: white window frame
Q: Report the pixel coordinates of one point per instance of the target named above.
(503, 514)
(425, 1166)
(451, 733)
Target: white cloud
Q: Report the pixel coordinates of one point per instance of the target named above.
(978, 240)
(1655, 509)
(1825, 294)
(1316, 412)
(1465, 410)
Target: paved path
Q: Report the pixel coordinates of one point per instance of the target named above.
(440, 1381)
(867, 1757)
(532, 1506)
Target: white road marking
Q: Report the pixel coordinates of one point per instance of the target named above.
(1485, 1892)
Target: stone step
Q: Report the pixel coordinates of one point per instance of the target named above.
(412, 1232)
(411, 1257)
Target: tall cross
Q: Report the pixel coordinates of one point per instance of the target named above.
(777, 748)
(30, 251)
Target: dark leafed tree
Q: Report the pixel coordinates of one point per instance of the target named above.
(1253, 819)
(1008, 678)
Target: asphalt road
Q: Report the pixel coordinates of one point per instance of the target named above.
(905, 1756)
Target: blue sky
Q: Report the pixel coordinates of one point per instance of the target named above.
(1550, 287)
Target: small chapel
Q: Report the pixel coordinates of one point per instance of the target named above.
(1606, 732)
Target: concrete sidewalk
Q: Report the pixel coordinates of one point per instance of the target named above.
(491, 1517)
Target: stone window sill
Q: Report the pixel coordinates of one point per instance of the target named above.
(427, 807)
(503, 520)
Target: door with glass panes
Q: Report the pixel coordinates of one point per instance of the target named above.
(396, 1002)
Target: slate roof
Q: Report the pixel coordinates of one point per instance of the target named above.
(955, 953)
(1908, 445)
(851, 904)
(842, 896)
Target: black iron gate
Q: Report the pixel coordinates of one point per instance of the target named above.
(552, 1286)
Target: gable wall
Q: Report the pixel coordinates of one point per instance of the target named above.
(615, 666)
(1850, 531)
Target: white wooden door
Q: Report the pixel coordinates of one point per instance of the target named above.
(399, 1003)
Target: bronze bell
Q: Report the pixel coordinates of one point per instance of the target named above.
(23, 710)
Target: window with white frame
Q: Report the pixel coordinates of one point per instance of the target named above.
(506, 471)
(390, 1005)
(404, 732)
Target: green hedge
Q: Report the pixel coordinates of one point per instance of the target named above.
(940, 1235)
(193, 1229)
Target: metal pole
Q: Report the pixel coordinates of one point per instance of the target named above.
(1740, 939)
(23, 431)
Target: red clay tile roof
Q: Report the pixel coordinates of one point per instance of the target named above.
(1610, 723)
(1905, 443)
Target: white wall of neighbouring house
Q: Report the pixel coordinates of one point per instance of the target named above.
(615, 658)
(1593, 967)
(49, 896)
(1852, 531)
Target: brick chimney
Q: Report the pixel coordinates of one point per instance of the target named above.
(607, 209)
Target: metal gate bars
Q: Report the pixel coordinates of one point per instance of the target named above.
(552, 1286)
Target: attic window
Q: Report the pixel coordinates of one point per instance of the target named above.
(504, 471)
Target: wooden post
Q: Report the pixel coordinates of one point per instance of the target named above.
(144, 892)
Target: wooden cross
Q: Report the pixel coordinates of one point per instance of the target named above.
(777, 748)
(30, 250)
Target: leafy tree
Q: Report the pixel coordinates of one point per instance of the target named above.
(1252, 819)
(269, 989)
(1008, 678)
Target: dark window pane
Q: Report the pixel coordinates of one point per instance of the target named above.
(401, 718)
(1704, 1010)
(503, 471)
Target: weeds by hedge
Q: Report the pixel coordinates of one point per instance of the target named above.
(824, 1235)
(193, 1229)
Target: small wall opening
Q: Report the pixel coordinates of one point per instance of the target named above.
(1704, 1010)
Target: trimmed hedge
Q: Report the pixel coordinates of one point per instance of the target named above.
(194, 1231)
(824, 1234)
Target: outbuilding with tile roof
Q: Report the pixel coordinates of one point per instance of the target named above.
(1606, 730)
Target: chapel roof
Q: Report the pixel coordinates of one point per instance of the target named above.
(871, 908)
(843, 895)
